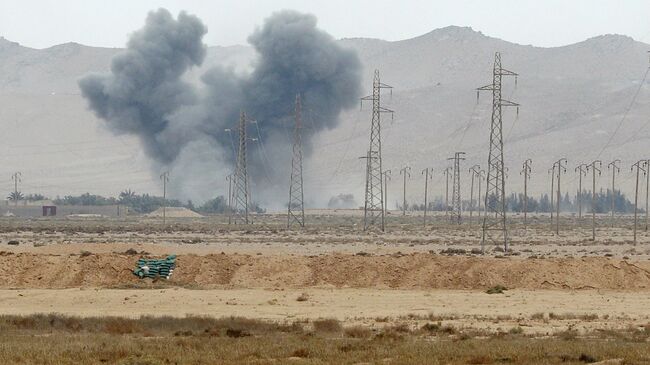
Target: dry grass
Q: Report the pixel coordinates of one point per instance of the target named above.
(51, 339)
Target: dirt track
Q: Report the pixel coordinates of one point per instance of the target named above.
(413, 271)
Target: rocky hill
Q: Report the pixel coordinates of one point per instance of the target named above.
(572, 98)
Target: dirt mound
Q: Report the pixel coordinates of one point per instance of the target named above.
(175, 212)
(416, 271)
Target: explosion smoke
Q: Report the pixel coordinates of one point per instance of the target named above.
(181, 126)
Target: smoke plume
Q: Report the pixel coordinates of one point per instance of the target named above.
(182, 127)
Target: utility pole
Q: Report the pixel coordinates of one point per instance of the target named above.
(229, 179)
(427, 176)
(241, 197)
(475, 171)
(640, 166)
(165, 178)
(615, 169)
(595, 166)
(296, 208)
(647, 190)
(16, 177)
(374, 204)
(494, 220)
(446, 172)
(561, 167)
(456, 197)
(481, 177)
(526, 170)
(387, 174)
(552, 172)
(582, 171)
(405, 171)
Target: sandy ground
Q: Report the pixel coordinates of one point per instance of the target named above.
(396, 271)
(324, 234)
(410, 274)
(460, 308)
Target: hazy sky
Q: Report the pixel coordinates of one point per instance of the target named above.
(44, 23)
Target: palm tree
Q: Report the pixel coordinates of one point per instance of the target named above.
(15, 196)
(127, 195)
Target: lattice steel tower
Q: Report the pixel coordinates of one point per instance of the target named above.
(455, 197)
(296, 209)
(241, 197)
(374, 202)
(494, 220)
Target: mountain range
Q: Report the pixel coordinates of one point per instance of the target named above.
(583, 101)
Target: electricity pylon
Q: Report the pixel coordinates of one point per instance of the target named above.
(165, 178)
(240, 194)
(475, 171)
(446, 172)
(525, 171)
(406, 171)
(561, 167)
(641, 165)
(16, 177)
(494, 220)
(615, 169)
(456, 197)
(387, 174)
(229, 179)
(595, 166)
(582, 171)
(374, 200)
(428, 172)
(296, 208)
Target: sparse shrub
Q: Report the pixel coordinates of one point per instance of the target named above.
(358, 332)
(301, 352)
(430, 327)
(587, 358)
(481, 359)
(236, 333)
(516, 330)
(497, 289)
(120, 326)
(328, 325)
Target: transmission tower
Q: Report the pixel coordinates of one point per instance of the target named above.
(374, 202)
(296, 209)
(595, 166)
(387, 174)
(229, 211)
(456, 198)
(446, 172)
(241, 198)
(475, 171)
(641, 165)
(561, 168)
(406, 171)
(526, 170)
(494, 220)
(582, 171)
(16, 177)
(613, 165)
(428, 172)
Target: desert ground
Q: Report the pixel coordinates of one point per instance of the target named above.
(327, 293)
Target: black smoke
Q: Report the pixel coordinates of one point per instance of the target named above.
(182, 126)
